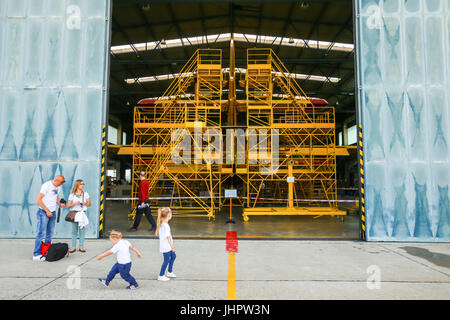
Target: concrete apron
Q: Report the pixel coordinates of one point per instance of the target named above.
(269, 270)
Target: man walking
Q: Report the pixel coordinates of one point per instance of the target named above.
(143, 207)
(48, 199)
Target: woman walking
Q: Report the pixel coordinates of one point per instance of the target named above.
(78, 202)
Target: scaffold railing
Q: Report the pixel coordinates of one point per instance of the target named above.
(155, 127)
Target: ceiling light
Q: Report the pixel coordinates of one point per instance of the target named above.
(146, 7)
(226, 37)
(304, 5)
(163, 77)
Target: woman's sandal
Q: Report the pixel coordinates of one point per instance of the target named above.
(72, 250)
(82, 250)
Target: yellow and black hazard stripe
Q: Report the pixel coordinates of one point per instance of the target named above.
(362, 202)
(102, 184)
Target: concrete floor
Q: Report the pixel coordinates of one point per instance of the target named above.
(265, 270)
(258, 227)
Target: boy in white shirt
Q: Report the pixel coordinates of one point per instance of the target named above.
(123, 266)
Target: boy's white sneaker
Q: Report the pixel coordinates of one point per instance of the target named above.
(38, 258)
(171, 275)
(163, 278)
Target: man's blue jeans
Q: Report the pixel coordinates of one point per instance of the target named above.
(45, 227)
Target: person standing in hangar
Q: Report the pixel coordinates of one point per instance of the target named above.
(143, 206)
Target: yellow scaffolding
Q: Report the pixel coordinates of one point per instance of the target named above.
(303, 134)
(156, 126)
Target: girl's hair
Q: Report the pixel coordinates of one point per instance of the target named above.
(115, 234)
(162, 213)
(75, 185)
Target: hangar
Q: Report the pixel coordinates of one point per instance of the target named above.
(155, 46)
(356, 90)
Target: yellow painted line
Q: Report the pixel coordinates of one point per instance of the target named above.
(231, 280)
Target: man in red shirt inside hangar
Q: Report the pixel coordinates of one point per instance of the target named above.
(143, 206)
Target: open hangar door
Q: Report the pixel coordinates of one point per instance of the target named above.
(311, 44)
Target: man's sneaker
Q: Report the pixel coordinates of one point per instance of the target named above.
(132, 230)
(171, 275)
(133, 287)
(38, 258)
(163, 278)
(104, 282)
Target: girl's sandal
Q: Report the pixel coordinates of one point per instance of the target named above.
(82, 250)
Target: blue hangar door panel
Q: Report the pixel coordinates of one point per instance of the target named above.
(403, 63)
(53, 85)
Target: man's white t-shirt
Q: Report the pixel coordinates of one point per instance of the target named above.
(82, 198)
(164, 232)
(122, 250)
(50, 192)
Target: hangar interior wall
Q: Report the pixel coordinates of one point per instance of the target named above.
(53, 75)
(404, 89)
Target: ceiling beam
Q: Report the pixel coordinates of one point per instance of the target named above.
(202, 14)
(286, 25)
(152, 33)
(213, 1)
(177, 26)
(156, 93)
(319, 17)
(321, 60)
(133, 75)
(348, 55)
(236, 15)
